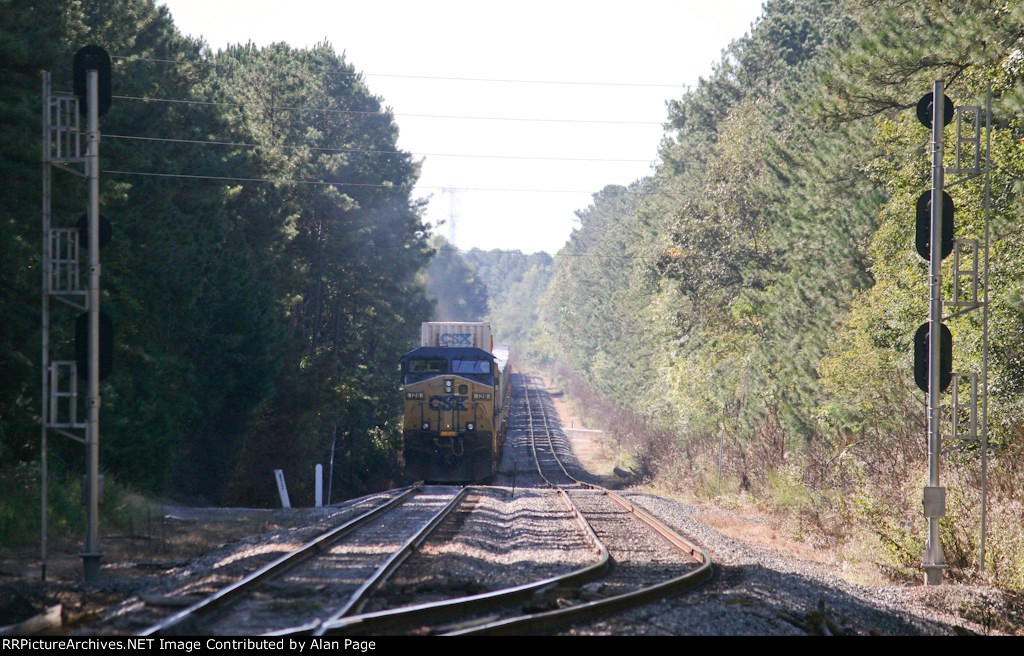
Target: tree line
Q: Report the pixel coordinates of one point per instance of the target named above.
(757, 295)
(261, 302)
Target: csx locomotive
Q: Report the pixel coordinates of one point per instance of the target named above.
(456, 388)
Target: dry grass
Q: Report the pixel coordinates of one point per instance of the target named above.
(779, 514)
(591, 446)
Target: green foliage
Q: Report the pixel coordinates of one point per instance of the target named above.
(763, 281)
(515, 283)
(121, 508)
(453, 285)
(251, 317)
(901, 540)
(786, 490)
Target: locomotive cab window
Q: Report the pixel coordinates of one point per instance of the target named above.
(425, 366)
(418, 369)
(471, 366)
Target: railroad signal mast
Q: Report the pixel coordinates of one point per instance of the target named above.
(933, 342)
(63, 282)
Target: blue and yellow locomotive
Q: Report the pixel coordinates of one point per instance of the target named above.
(455, 412)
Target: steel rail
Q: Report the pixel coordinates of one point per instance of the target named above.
(447, 608)
(394, 561)
(429, 611)
(594, 609)
(551, 444)
(276, 567)
(590, 610)
(533, 442)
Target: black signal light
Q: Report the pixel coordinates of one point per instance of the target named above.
(921, 357)
(106, 344)
(92, 58)
(925, 110)
(924, 225)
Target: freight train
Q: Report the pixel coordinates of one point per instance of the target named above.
(456, 387)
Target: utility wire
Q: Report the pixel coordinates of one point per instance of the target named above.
(369, 151)
(376, 185)
(448, 248)
(226, 178)
(396, 152)
(432, 77)
(325, 183)
(355, 112)
(515, 81)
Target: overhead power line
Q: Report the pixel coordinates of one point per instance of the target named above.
(380, 185)
(369, 151)
(326, 183)
(520, 81)
(437, 77)
(356, 112)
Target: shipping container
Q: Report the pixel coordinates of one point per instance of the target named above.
(457, 333)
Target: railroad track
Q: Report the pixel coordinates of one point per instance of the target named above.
(321, 588)
(325, 579)
(650, 561)
(543, 434)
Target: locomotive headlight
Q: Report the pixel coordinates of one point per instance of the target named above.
(426, 425)
(471, 426)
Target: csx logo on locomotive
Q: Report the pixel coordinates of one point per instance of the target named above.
(455, 339)
(447, 402)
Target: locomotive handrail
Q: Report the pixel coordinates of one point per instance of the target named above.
(440, 406)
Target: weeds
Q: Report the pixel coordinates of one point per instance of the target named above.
(121, 510)
(861, 492)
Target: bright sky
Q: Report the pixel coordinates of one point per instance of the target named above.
(512, 184)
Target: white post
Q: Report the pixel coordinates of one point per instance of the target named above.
(282, 489)
(319, 485)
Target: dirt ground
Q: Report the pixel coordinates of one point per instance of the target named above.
(591, 446)
(168, 541)
(596, 452)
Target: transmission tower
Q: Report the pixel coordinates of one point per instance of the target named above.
(452, 213)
